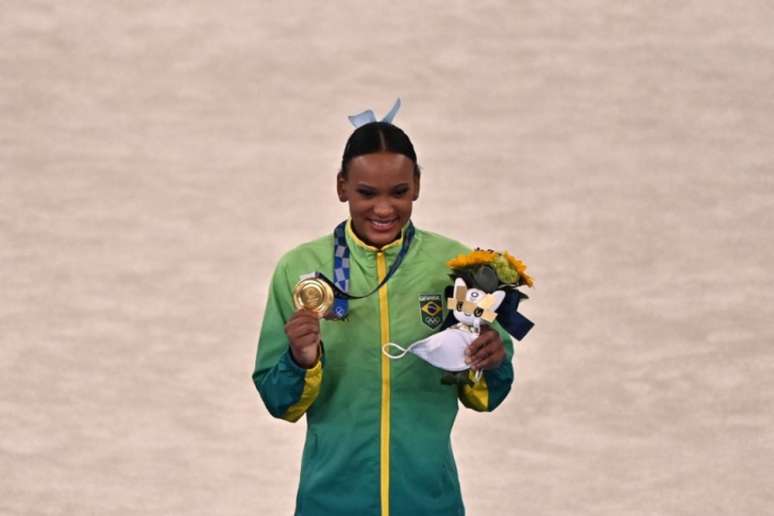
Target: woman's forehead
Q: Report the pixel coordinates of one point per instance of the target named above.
(381, 167)
(380, 163)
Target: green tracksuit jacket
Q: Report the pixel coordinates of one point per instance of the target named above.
(378, 430)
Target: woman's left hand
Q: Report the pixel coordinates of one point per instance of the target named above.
(487, 351)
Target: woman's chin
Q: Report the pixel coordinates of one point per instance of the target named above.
(380, 239)
(379, 235)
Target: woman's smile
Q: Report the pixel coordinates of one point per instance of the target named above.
(384, 225)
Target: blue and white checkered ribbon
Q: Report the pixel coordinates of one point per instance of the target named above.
(341, 269)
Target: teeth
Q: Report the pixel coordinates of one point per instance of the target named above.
(382, 225)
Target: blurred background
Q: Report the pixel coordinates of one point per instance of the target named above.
(157, 158)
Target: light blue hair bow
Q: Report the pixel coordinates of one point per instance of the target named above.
(367, 116)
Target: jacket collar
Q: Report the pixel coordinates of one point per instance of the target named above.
(360, 249)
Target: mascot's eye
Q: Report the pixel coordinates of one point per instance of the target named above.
(478, 311)
(459, 306)
(474, 295)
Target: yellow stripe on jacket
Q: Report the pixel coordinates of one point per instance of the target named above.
(312, 381)
(476, 397)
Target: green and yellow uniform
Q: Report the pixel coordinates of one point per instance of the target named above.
(378, 430)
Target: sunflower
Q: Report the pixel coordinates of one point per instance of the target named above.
(521, 269)
(477, 257)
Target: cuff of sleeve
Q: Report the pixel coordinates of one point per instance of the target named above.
(476, 396)
(501, 374)
(310, 380)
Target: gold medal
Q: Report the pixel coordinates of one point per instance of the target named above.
(313, 294)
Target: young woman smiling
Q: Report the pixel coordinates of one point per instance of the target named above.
(378, 432)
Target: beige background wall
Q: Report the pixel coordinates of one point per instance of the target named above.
(156, 158)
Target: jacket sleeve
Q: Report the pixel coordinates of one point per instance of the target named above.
(494, 385)
(286, 388)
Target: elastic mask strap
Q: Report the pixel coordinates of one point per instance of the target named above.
(402, 353)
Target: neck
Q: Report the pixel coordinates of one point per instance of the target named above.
(367, 242)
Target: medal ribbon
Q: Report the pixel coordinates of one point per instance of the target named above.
(341, 269)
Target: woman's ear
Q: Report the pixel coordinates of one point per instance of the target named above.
(341, 187)
(416, 187)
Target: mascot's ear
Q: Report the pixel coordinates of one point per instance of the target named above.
(460, 289)
(498, 295)
(460, 292)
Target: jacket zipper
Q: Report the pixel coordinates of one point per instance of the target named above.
(384, 435)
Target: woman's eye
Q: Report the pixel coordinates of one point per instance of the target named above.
(399, 193)
(366, 193)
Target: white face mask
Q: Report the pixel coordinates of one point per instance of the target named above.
(444, 350)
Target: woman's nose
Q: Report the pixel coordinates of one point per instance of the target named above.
(383, 208)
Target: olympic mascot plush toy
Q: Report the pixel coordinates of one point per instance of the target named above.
(485, 289)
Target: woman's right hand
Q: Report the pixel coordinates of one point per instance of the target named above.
(303, 331)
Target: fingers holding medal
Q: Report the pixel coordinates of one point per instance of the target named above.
(303, 332)
(313, 299)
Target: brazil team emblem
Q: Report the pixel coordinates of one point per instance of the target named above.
(431, 310)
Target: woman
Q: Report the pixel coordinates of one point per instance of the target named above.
(378, 431)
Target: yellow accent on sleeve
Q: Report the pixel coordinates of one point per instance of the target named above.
(312, 381)
(476, 397)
